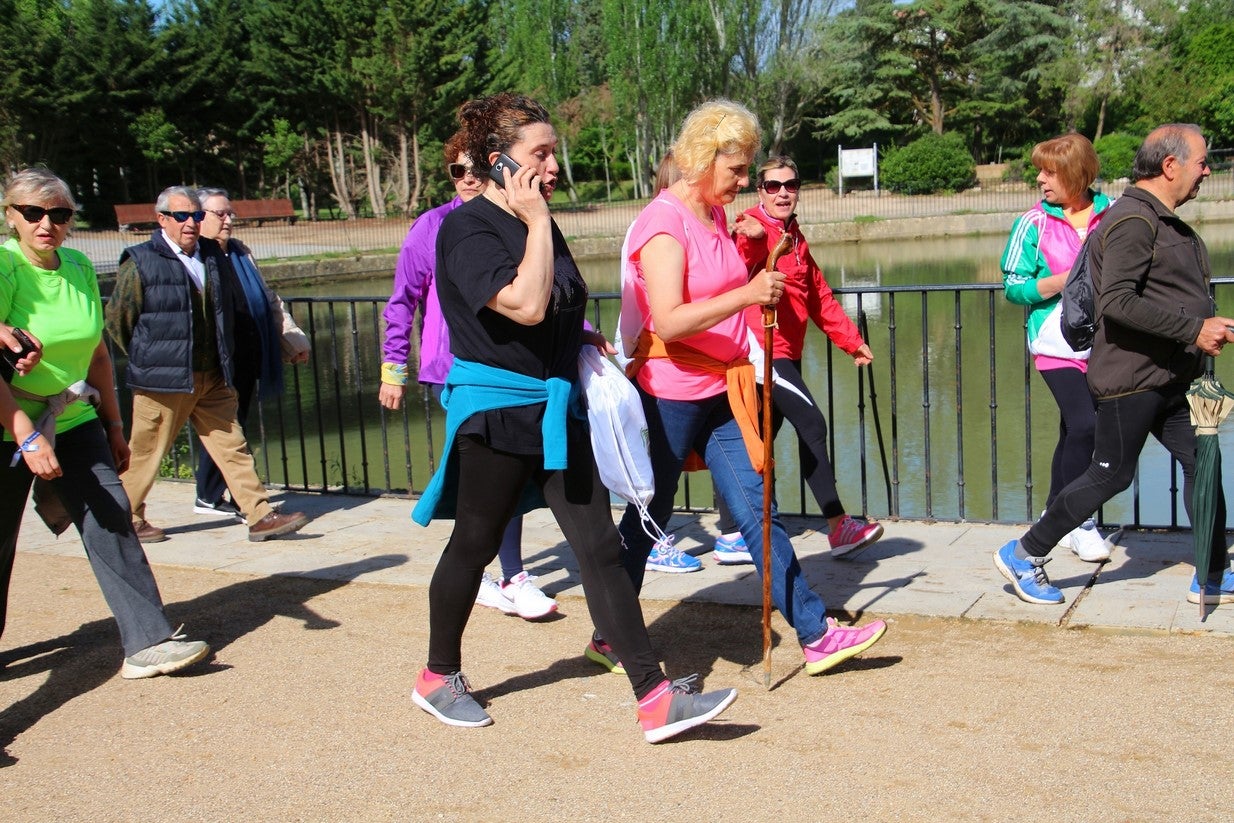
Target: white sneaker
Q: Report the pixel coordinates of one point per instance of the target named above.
(1087, 543)
(491, 595)
(529, 602)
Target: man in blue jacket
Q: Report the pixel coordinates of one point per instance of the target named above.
(171, 312)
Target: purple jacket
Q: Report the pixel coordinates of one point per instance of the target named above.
(413, 284)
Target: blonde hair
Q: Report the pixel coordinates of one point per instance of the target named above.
(714, 128)
(37, 183)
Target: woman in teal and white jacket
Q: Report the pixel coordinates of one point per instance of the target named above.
(1044, 243)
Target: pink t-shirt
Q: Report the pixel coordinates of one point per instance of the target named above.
(712, 268)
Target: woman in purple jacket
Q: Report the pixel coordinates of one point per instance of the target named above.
(516, 592)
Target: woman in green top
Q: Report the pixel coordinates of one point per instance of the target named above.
(51, 432)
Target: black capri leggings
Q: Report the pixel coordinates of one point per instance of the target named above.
(490, 483)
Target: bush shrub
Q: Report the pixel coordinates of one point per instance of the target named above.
(1116, 151)
(929, 164)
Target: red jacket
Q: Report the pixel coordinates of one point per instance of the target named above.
(806, 293)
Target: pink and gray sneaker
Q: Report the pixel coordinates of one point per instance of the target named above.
(840, 643)
(852, 535)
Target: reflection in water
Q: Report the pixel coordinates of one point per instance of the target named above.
(959, 406)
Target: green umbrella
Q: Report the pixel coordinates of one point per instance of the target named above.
(1210, 404)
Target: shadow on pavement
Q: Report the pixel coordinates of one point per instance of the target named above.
(79, 662)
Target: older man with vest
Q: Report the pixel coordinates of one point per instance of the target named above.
(171, 312)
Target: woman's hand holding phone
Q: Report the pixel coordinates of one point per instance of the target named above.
(521, 185)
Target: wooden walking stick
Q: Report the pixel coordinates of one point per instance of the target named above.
(769, 323)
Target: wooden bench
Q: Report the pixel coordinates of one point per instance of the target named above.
(262, 210)
(142, 215)
(135, 215)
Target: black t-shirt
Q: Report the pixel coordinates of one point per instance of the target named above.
(479, 248)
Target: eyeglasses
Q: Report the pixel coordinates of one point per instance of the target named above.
(773, 186)
(34, 214)
(458, 171)
(221, 214)
(181, 216)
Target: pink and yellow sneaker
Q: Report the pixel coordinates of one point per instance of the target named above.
(840, 643)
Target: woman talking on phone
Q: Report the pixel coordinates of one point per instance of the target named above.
(514, 301)
(50, 430)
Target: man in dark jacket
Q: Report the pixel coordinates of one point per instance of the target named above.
(1155, 325)
(171, 312)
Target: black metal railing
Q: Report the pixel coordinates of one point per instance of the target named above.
(818, 204)
(948, 423)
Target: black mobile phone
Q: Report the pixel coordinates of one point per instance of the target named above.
(504, 161)
(9, 358)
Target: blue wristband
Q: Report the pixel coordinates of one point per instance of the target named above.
(27, 445)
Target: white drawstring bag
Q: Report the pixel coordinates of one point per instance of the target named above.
(618, 433)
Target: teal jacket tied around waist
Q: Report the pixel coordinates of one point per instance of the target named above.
(472, 388)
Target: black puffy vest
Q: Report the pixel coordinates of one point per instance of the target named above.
(161, 350)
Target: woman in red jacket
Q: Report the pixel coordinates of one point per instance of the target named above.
(806, 297)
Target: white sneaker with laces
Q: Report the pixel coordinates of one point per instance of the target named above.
(529, 602)
(492, 596)
(173, 654)
(1087, 543)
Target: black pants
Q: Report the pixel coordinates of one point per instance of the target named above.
(799, 408)
(1077, 427)
(1123, 426)
(490, 484)
(96, 501)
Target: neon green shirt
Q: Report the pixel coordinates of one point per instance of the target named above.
(63, 310)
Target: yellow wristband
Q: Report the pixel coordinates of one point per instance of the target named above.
(395, 374)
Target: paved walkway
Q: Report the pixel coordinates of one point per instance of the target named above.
(934, 570)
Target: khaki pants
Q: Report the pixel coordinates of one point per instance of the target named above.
(211, 407)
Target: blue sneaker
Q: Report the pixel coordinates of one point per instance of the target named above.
(730, 551)
(1214, 594)
(665, 557)
(1027, 577)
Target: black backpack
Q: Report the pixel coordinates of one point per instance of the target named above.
(1079, 299)
(1080, 302)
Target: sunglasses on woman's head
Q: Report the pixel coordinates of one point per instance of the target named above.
(181, 216)
(459, 170)
(33, 214)
(773, 186)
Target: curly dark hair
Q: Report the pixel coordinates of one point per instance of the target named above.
(456, 144)
(496, 123)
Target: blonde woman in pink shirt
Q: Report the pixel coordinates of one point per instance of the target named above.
(691, 363)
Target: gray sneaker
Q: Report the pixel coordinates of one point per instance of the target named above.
(446, 698)
(171, 655)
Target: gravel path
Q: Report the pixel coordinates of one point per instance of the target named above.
(303, 714)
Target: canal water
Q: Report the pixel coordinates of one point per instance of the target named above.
(951, 422)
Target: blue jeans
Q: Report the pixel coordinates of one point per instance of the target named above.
(677, 427)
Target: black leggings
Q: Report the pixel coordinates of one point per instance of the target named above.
(1077, 427)
(490, 483)
(807, 419)
(1123, 426)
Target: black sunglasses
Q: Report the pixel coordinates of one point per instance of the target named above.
(458, 171)
(33, 214)
(773, 186)
(181, 216)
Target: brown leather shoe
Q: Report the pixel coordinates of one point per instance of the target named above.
(275, 524)
(147, 533)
